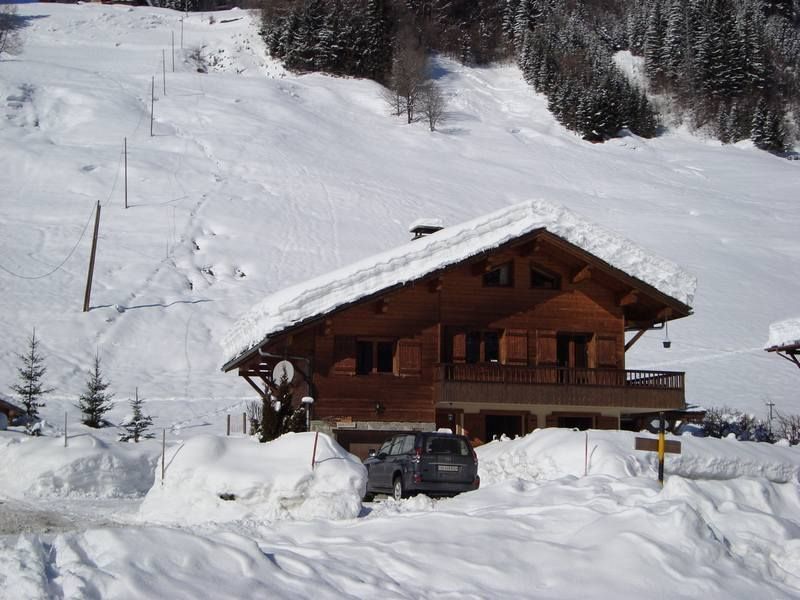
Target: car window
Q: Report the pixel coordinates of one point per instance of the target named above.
(386, 446)
(408, 444)
(397, 445)
(446, 445)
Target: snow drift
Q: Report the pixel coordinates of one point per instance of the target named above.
(216, 479)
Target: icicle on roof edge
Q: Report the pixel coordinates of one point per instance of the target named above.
(451, 245)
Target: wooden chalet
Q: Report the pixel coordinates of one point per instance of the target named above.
(497, 326)
(11, 411)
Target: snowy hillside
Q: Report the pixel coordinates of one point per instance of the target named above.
(256, 179)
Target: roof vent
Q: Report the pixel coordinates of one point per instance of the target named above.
(422, 227)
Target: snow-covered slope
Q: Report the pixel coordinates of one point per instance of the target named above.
(255, 179)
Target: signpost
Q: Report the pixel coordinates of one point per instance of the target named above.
(660, 445)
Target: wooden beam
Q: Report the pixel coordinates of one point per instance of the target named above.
(327, 328)
(632, 297)
(635, 338)
(791, 357)
(382, 306)
(582, 274)
(252, 383)
(530, 248)
(664, 314)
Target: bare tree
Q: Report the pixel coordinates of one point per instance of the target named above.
(408, 72)
(789, 428)
(432, 104)
(10, 40)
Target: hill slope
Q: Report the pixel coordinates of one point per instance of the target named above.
(255, 179)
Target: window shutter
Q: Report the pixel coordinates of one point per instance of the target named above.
(606, 351)
(459, 347)
(516, 346)
(409, 357)
(344, 355)
(546, 348)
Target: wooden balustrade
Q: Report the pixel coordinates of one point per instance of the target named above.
(508, 374)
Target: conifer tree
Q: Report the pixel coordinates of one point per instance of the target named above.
(136, 426)
(30, 388)
(95, 401)
(278, 416)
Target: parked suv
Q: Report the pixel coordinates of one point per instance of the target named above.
(437, 464)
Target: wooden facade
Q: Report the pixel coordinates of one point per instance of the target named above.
(531, 334)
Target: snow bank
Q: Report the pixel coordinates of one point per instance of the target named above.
(553, 453)
(87, 467)
(416, 259)
(270, 481)
(784, 333)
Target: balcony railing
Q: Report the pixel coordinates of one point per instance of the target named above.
(508, 374)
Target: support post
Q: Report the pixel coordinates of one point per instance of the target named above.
(125, 151)
(244, 423)
(661, 447)
(314, 453)
(173, 51)
(586, 455)
(228, 425)
(152, 101)
(164, 69)
(163, 454)
(88, 294)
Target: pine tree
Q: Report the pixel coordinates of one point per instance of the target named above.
(95, 401)
(30, 388)
(136, 426)
(278, 416)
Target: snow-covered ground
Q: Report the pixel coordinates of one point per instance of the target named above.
(256, 179)
(546, 523)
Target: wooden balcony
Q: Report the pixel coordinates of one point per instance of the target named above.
(506, 384)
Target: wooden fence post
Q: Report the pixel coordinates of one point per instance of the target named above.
(228, 428)
(244, 423)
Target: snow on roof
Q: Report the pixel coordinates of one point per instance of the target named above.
(784, 333)
(426, 222)
(451, 245)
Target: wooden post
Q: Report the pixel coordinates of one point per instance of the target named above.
(65, 429)
(314, 453)
(163, 453)
(88, 294)
(661, 447)
(244, 423)
(125, 150)
(228, 425)
(173, 51)
(152, 101)
(164, 69)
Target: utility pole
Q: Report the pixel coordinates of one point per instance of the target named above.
(88, 293)
(152, 101)
(771, 406)
(125, 151)
(164, 69)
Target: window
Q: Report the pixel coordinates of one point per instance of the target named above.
(403, 444)
(501, 276)
(541, 279)
(482, 346)
(447, 445)
(374, 356)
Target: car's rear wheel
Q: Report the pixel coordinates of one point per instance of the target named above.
(398, 491)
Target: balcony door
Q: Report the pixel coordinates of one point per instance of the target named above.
(572, 352)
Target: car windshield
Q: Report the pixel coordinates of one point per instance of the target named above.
(446, 445)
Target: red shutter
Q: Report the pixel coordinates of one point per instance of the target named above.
(516, 345)
(459, 347)
(344, 355)
(546, 348)
(606, 351)
(409, 357)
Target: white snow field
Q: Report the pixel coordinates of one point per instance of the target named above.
(256, 179)
(546, 523)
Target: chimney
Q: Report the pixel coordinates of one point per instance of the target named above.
(423, 227)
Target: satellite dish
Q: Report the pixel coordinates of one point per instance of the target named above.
(283, 368)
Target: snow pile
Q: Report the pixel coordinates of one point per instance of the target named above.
(418, 258)
(553, 453)
(87, 467)
(784, 333)
(220, 479)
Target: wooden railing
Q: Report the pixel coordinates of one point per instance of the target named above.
(497, 373)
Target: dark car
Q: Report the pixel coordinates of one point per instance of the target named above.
(436, 464)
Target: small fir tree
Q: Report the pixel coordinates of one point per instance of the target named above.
(136, 426)
(30, 388)
(95, 401)
(278, 416)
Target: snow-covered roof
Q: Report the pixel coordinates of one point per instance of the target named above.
(451, 245)
(784, 333)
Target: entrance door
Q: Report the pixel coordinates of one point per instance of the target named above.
(497, 425)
